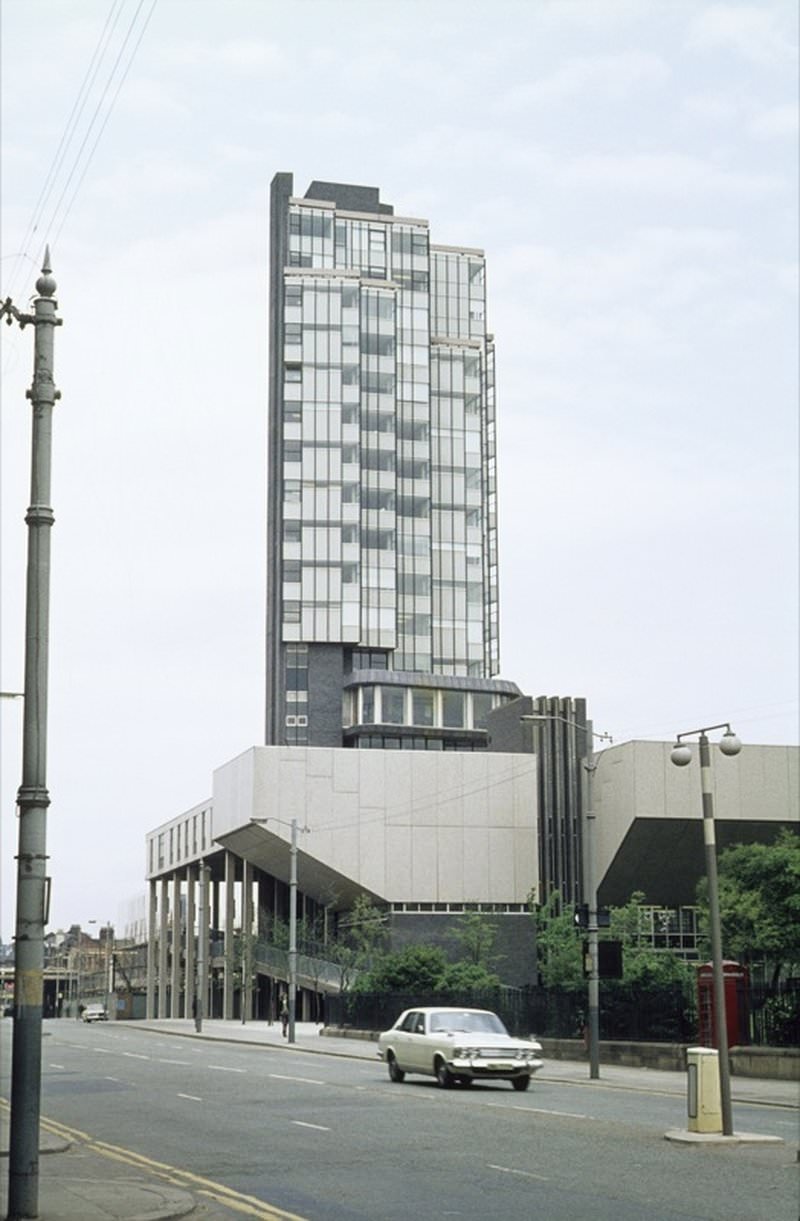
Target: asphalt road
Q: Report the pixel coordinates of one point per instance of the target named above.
(332, 1139)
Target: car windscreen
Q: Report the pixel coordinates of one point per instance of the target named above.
(466, 1023)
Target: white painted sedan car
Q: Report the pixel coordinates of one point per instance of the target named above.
(458, 1045)
(94, 1013)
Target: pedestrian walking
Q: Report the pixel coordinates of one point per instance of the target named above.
(284, 1015)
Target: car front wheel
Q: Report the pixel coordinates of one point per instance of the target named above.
(520, 1083)
(444, 1078)
(395, 1072)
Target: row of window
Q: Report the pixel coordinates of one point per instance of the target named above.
(497, 909)
(183, 841)
(419, 706)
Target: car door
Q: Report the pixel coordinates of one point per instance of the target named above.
(404, 1040)
(419, 1059)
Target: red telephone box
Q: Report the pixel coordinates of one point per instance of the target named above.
(736, 985)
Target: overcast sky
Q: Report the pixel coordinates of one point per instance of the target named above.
(630, 170)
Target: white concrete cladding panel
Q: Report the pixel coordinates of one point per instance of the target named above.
(406, 825)
(371, 848)
(521, 801)
(526, 855)
(397, 864)
(424, 865)
(501, 863)
(291, 784)
(450, 864)
(237, 791)
(345, 771)
(476, 857)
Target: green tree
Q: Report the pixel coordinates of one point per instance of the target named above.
(476, 935)
(417, 968)
(641, 963)
(558, 947)
(461, 978)
(360, 946)
(759, 902)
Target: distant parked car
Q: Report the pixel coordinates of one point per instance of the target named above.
(94, 1013)
(458, 1045)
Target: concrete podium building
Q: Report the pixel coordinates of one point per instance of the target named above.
(426, 837)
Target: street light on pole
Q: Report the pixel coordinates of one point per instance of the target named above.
(682, 755)
(33, 797)
(593, 983)
(292, 915)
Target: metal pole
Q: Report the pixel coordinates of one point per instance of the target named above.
(720, 1023)
(591, 895)
(33, 797)
(293, 931)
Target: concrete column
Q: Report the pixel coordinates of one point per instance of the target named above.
(177, 946)
(229, 968)
(248, 941)
(163, 947)
(216, 924)
(150, 1009)
(189, 989)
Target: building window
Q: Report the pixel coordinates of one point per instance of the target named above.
(453, 709)
(393, 700)
(422, 705)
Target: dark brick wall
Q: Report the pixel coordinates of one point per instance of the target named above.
(514, 947)
(325, 684)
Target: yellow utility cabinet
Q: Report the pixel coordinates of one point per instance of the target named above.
(705, 1106)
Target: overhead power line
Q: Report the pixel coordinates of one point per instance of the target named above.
(69, 167)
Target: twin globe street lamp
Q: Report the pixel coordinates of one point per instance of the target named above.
(681, 755)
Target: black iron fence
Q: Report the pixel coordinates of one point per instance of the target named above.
(627, 1011)
(775, 1014)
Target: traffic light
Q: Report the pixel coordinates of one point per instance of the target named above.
(581, 916)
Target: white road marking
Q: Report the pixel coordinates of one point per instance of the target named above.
(111, 1079)
(304, 1080)
(223, 1068)
(61, 1066)
(190, 1097)
(508, 1106)
(525, 1174)
(185, 1063)
(135, 1055)
(318, 1127)
(542, 1111)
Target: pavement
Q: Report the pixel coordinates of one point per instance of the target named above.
(78, 1181)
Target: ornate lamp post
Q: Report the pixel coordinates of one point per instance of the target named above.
(682, 755)
(33, 797)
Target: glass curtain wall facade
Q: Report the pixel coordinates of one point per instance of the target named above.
(382, 532)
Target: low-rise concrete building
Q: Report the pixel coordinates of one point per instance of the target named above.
(426, 836)
(649, 814)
